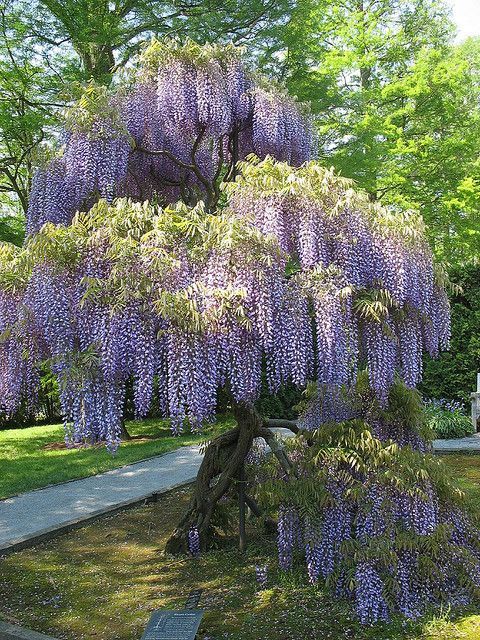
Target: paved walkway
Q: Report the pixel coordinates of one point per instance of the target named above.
(14, 632)
(472, 443)
(37, 514)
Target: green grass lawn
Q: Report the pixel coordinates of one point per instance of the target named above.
(103, 581)
(30, 458)
(465, 467)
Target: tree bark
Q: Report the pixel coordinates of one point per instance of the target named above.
(124, 435)
(280, 423)
(221, 465)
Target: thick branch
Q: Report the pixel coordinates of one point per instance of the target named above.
(278, 423)
(276, 447)
(211, 192)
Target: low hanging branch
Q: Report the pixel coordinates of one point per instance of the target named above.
(224, 458)
(280, 423)
(277, 448)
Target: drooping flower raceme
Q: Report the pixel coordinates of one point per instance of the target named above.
(261, 574)
(373, 284)
(194, 541)
(185, 301)
(189, 115)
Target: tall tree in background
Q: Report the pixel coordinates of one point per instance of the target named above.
(396, 104)
(432, 162)
(104, 35)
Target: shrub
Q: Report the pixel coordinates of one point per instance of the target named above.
(379, 522)
(446, 419)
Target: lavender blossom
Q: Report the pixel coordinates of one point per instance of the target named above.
(261, 574)
(194, 541)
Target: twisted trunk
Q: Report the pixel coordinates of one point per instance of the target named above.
(221, 466)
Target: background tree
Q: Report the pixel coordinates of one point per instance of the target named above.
(30, 97)
(21, 131)
(396, 106)
(104, 35)
(433, 166)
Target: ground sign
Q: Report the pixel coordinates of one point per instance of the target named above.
(173, 625)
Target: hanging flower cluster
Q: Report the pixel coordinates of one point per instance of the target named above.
(92, 164)
(124, 292)
(194, 541)
(184, 301)
(379, 522)
(208, 91)
(50, 198)
(19, 352)
(329, 404)
(278, 128)
(190, 113)
(261, 574)
(20, 377)
(374, 287)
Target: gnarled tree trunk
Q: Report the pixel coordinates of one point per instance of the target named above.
(221, 465)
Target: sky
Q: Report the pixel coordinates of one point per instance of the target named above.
(466, 14)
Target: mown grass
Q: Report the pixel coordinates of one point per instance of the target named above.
(465, 468)
(103, 581)
(28, 461)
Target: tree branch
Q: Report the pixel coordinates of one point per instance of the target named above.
(211, 192)
(16, 187)
(276, 448)
(279, 423)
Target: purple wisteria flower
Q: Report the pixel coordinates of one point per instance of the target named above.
(261, 574)
(194, 541)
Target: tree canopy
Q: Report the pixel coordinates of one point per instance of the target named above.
(49, 50)
(198, 294)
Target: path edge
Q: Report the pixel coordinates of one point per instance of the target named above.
(92, 475)
(14, 632)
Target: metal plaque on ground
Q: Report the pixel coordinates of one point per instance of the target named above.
(173, 625)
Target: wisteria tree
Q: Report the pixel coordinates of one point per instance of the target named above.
(184, 239)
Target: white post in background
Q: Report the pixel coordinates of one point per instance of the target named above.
(476, 405)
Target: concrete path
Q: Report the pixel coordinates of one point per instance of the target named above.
(472, 443)
(36, 514)
(14, 632)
